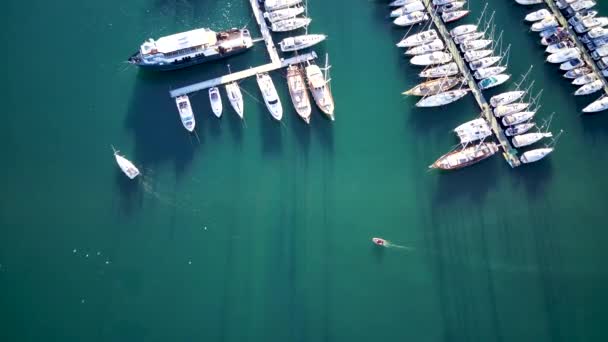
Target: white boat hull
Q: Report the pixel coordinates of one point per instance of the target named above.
(216, 101)
(535, 155)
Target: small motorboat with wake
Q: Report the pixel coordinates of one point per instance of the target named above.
(125, 165)
(216, 101)
(535, 155)
(506, 98)
(269, 93)
(442, 99)
(235, 97)
(380, 242)
(185, 112)
(421, 38)
(519, 129)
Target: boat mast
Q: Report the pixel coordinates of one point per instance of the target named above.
(524, 77)
(482, 13)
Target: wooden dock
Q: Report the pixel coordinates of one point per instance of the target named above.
(584, 53)
(241, 74)
(509, 153)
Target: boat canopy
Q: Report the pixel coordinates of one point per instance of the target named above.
(179, 41)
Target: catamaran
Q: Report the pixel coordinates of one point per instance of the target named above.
(290, 24)
(435, 45)
(493, 81)
(517, 118)
(125, 165)
(484, 62)
(462, 30)
(269, 93)
(273, 5)
(301, 42)
(535, 155)
(411, 18)
(589, 88)
(467, 156)
(318, 84)
(537, 15)
(418, 39)
(597, 106)
(443, 70)
(409, 8)
(433, 87)
(298, 93)
(506, 98)
(216, 101)
(476, 44)
(185, 112)
(235, 97)
(437, 57)
(508, 109)
(442, 98)
(285, 13)
(529, 138)
(487, 72)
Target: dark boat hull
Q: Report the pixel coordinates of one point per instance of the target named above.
(184, 63)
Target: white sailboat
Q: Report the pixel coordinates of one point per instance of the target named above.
(290, 24)
(484, 62)
(216, 101)
(442, 98)
(418, 39)
(467, 37)
(126, 166)
(301, 42)
(437, 57)
(411, 19)
(508, 109)
(185, 112)
(597, 106)
(318, 83)
(269, 93)
(273, 5)
(589, 88)
(529, 138)
(285, 13)
(473, 124)
(490, 71)
(462, 30)
(506, 98)
(452, 6)
(519, 129)
(408, 8)
(235, 97)
(443, 70)
(473, 55)
(452, 16)
(435, 45)
(476, 44)
(535, 155)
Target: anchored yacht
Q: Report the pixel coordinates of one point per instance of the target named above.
(269, 93)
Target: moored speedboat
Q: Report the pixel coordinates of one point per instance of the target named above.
(467, 156)
(589, 88)
(418, 39)
(443, 70)
(319, 87)
(437, 57)
(546, 23)
(449, 17)
(572, 64)
(597, 106)
(487, 72)
(301, 42)
(582, 5)
(442, 98)
(433, 87)
(269, 93)
(564, 55)
(414, 6)
(285, 13)
(519, 129)
(289, 24)
(435, 45)
(506, 98)
(298, 93)
(529, 138)
(473, 55)
(411, 18)
(185, 112)
(462, 30)
(517, 118)
(508, 109)
(216, 101)
(537, 15)
(126, 166)
(484, 62)
(235, 97)
(493, 81)
(535, 155)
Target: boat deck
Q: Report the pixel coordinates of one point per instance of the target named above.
(509, 153)
(242, 74)
(585, 54)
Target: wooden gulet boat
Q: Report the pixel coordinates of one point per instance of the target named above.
(433, 87)
(298, 93)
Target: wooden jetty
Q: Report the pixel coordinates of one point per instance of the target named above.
(584, 53)
(509, 153)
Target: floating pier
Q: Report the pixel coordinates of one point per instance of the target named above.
(509, 153)
(275, 61)
(584, 53)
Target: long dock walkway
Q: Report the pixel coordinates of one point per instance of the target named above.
(259, 17)
(509, 153)
(585, 54)
(242, 74)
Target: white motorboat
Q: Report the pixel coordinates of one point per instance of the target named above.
(578, 72)
(319, 87)
(452, 6)
(449, 17)
(473, 55)
(216, 101)
(467, 37)
(269, 93)
(589, 23)
(290, 24)
(535, 155)
(437, 57)
(435, 45)
(470, 135)
(546, 23)
(126, 166)
(301, 42)
(408, 8)
(476, 44)
(580, 16)
(442, 98)
(273, 5)
(589, 88)
(509, 109)
(564, 55)
(399, 3)
(298, 93)
(462, 30)
(285, 13)
(478, 123)
(529, 138)
(562, 4)
(236, 98)
(597, 106)
(597, 32)
(584, 79)
(538, 15)
(557, 47)
(421, 38)
(506, 98)
(457, 159)
(519, 129)
(185, 112)
(493, 81)
(529, 2)
(600, 52)
(484, 62)
(444, 70)
(411, 19)
(582, 5)
(572, 64)
(487, 72)
(517, 118)
(442, 2)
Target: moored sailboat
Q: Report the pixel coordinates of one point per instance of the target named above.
(418, 39)
(216, 101)
(506, 98)
(126, 166)
(433, 87)
(443, 70)
(519, 129)
(529, 138)
(535, 155)
(185, 112)
(318, 84)
(442, 99)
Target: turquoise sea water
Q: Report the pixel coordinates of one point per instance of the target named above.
(261, 231)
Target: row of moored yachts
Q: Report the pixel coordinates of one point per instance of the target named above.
(429, 50)
(562, 48)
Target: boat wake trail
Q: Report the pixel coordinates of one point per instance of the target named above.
(147, 184)
(393, 245)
